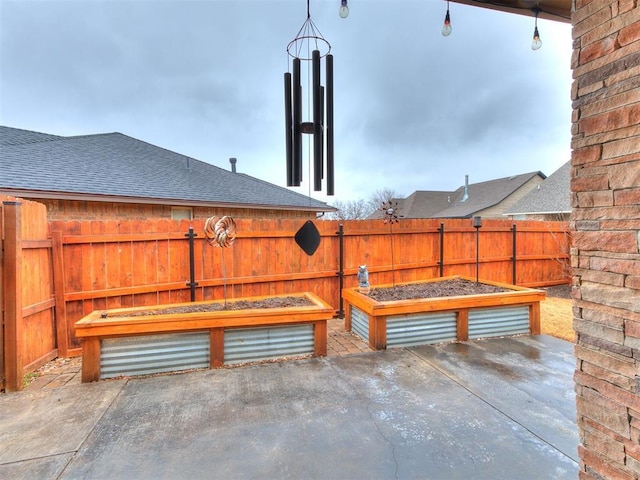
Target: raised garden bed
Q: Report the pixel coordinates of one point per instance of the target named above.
(165, 338)
(437, 312)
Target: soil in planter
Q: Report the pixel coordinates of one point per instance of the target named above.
(272, 302)
(445, 288)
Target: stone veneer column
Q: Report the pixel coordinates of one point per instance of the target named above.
(605, 220)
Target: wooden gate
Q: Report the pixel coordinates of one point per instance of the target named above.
(29, 334)
(2, 375)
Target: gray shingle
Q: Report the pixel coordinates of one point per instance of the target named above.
(114, 164)
(552, 196)
(445, 204)
(16, 136)
(484, 195)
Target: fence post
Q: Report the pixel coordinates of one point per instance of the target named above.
(340, 273)
(192, 268)
(13, 350)
(441, 262)
(513, 256)
(62, 329)
(477, 224)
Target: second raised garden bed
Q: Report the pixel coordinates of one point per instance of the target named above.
(511, 310)
(145, 340)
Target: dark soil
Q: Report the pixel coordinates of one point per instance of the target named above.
(558, 291)
(271, 302)
(445, 288)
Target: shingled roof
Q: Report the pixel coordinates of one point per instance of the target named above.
(114, 165)
(484, 195)
(450, 204)
(551, 197)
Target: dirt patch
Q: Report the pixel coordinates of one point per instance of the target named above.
(556, 318)
(556, 314)
(559, 291)
(269, 302)
(445, 288)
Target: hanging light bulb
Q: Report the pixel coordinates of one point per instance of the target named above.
(536, 43)
(446, 28)
(344, 9)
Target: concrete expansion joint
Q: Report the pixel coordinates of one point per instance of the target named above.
(386, 439)
(367, 404)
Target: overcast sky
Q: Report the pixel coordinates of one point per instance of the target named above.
(413, 110)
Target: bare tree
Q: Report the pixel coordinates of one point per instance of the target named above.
(380, 197)
(350, 210)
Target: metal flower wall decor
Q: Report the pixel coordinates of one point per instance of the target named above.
(391, 215)
(221, 232)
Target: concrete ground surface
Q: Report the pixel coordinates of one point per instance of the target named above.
(486, 409)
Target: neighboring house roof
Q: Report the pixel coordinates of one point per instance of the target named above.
(444, 204)
(424, 203)
(552, 196)
(15, 136)
(484, 195)
(114, 166)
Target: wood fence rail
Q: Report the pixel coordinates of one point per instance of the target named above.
(97, 265)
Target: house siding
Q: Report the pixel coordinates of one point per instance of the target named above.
(605, 190)
(497, 211)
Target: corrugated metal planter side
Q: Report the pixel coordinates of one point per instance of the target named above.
(119, 342)
(360, 323)
(145, 354)
(421, 329)
(513, 310)
(254, 344)
(498, 322)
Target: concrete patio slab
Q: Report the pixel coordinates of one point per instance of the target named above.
(405, 413)
(42, 429)
(529, 379)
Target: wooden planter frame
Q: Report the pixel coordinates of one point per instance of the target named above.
(93, 328)
(379, 312)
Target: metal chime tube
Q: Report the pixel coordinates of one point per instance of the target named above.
(329, 126)
(288, 128)
(297, 124)
(322, 149)
(317, 122)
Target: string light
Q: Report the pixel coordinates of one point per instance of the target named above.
(536, 42)
(446, 28)
(344, 9)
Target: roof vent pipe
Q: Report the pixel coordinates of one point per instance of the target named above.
(465, 196)
(233, 161)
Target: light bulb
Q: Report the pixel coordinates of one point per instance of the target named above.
(446, 28)
(536, 43)
(344, 9)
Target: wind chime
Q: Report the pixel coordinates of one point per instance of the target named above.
(309, 46)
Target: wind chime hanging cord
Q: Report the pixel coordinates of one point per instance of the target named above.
(220, 232)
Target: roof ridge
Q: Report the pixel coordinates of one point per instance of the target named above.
(508, 177)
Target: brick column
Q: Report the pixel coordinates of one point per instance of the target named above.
(605, 221)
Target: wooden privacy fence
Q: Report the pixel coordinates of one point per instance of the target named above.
(112, 264)
(28, 338)
(54, 273)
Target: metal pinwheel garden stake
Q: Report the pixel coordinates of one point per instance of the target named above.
(391, 215)
(221, 232)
